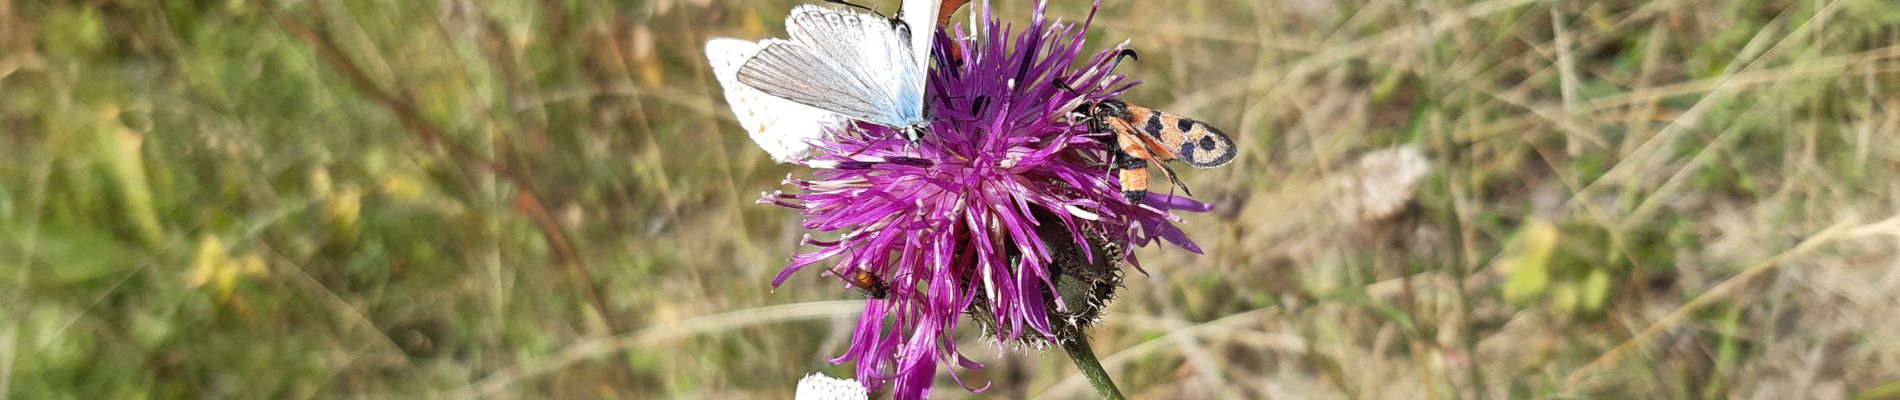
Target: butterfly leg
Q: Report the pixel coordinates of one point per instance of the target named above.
(913, 140)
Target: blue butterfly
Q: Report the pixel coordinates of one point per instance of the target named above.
(856, 64)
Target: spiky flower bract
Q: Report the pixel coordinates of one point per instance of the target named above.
(952, 222)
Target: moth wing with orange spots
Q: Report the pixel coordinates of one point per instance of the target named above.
(1133, 143)
(1139, 144)
(1203, 145)
(782, 127)
(1158, 147)
(1193, 142)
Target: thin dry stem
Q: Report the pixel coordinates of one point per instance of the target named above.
(1844, 229)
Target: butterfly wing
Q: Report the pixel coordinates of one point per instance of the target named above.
(853, 63)
(781, 127)
(921, 17)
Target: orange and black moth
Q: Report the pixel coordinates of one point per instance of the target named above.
(1143, 134)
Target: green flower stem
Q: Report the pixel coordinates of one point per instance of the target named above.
(1084, 356)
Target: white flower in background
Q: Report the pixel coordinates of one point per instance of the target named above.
(1386, 182)
(817, 386)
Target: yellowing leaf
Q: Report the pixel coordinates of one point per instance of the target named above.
(651, 72)
(252, 265)
(1595, 290)
(320, 182)
(343, 211)
(1563, 297)
(247, 266)
(402, 187)
(213, 265)
(1528, 271)
(211, 257)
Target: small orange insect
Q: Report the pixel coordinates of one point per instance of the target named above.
(866, 282)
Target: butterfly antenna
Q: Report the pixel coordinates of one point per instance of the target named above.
(847, 3)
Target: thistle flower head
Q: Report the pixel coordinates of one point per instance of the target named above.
(974, 217)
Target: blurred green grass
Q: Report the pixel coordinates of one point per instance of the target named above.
(1632, 199)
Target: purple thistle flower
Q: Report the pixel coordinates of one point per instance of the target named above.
(952, 222)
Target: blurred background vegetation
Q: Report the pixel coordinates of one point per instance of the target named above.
(548, 199)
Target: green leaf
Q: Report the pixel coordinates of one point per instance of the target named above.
(6, 203)
(76, 256)
(119, 149)
(74, 33)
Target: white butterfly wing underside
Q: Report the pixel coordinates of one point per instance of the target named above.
(921, 17)
(781, 127)
(853, 63)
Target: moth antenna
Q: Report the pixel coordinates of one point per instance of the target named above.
(1065, 86)
(1090, 115)
(1125, 53)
